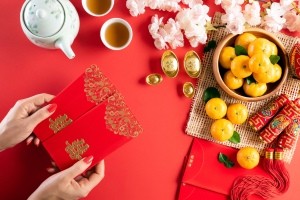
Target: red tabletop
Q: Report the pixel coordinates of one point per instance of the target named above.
(149, 166)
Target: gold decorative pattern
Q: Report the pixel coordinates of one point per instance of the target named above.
(119, 118)
(76, 149)
(59, 123)
(96, 86)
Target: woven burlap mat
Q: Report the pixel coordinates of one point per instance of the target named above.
(199, 124)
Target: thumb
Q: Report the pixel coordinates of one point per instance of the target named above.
(79, 167)
(41, 115)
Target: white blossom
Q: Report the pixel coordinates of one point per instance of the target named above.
(164, 5)
(286, 2)
(274, 20)
(165, 35)
(155, 25)
(228, 4)
(136, 7)
(218, 2)
(252, 14)
(193, 21)
(234, 20)
(192, 3)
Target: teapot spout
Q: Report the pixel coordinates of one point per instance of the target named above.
(65, 46)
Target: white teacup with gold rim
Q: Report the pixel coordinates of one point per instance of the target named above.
(116, 34)
(97, 8)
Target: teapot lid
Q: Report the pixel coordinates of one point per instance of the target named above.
(43, 18)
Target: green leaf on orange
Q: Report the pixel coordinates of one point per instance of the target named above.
(210, 93)
(239, 50)
(235, 138)
(274, 59)
(250, 80)
(225, 160)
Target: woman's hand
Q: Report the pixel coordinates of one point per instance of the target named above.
(20, 121)
(70, 184)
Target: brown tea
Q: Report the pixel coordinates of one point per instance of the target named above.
(98, 6)
(117, 34)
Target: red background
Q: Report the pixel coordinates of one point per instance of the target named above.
(149, 166)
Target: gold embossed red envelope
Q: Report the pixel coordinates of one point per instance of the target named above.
(205, 177)
(91, 118)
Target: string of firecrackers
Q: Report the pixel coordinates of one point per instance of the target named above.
(193, 20)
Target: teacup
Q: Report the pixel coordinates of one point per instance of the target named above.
(97, 8)
(116, 33)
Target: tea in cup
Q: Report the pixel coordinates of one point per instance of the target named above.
(116, 33)
(97, 8)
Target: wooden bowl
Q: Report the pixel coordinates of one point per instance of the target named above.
(239, 93)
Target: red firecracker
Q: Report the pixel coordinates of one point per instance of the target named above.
(280, 122)
(289, 136)
(262, 117)
(295, 60)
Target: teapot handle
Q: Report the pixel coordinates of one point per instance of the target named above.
(65, 46)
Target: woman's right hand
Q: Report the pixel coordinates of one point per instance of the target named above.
(69, 183)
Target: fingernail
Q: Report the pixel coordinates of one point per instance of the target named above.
(50, 170)
(88, 160)
(37, 142)
(29, 140)
(52, 108)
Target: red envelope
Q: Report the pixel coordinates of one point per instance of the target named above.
(91, 118)
(89, 90)
(206, 177)
(190, 192)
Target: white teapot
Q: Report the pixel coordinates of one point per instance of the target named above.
(51, 24)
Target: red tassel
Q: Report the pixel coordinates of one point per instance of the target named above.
(265, 187)
(276, 168)
(282, 176)
(268, 162)
(245, 186)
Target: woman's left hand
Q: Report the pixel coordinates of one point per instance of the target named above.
(20, 121)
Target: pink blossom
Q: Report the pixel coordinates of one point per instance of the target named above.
(292, 21)
(236, 27)
(160, 43)
(252, 14)
(165, 35)
(192, 3)
(136, 7)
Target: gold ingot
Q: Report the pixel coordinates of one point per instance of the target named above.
(170, 64)
(192, 64)
(154, 79)
(188, 90)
